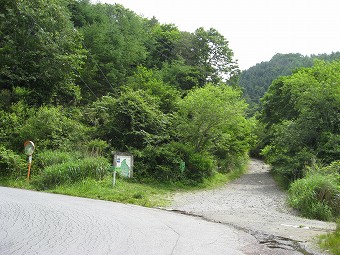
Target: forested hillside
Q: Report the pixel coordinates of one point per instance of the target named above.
(301, 127)
(82, 80)
(256, 80)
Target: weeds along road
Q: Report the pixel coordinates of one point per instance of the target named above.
(41, 223)
(255, 204)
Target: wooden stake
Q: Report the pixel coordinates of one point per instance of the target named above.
(29, 167)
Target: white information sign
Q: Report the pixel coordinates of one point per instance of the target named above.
(123, 164)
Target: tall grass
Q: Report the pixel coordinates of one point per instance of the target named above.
(316, 196)
(72, 171)
(331, 242)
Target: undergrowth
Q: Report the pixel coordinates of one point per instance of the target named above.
(318, 194)
(149, 194)
(331, 242)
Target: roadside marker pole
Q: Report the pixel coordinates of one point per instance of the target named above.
(29, 149)
(114, 178)
(29, 167)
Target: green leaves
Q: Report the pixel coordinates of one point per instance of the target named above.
(132, 120)
(301, 113)
(135, 80)
(40, 51)
(213, 119)
(213, 56)
(50, 128)
(114, 37)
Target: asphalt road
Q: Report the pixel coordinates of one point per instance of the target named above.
(41, 223)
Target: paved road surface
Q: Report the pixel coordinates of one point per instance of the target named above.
(40, 223)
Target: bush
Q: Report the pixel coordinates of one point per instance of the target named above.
(96, 147)
(317, 195)
(331, 241)
(132, 120)
(329, 147)
(49, 158)
(72, 171)
(10, 163)
(289, 166)
(51, 128)
(200, 166)
(163, 163)
(157, 163)
(232, 164)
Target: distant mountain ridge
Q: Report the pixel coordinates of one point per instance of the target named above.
(256, 80)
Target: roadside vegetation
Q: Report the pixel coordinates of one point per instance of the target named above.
(256, 80)
(299, 126)
(81, 80)
(300, 117)
(148, 194)
(331, 242)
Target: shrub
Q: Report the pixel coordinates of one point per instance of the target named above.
(157, 163)
(316, 196)
(289, 166)
(47, 158)
(10, 163)
(72, 171)
(51, 128)
(332, 241)
(132, 120)
(329, 147)
(200, 166)
(96, 147)
(163, 163)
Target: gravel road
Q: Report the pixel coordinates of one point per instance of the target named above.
(41, 223)
(255, 204)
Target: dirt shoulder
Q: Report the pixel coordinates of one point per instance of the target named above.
(253, 203)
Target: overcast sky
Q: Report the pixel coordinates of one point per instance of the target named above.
(256, 29)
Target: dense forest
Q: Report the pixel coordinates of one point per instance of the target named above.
(256, 80)
(82, 80)
(300, 118)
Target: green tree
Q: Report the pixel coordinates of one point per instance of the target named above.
(51, 128)
(256, 80)
(302, 116)
(161, 44)
(40, 51)
(180, 75)
(114, 37)
(212, 119)
(133, 120)
(152, 82)
(213, 56)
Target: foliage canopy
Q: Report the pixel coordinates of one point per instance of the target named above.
(90, 78)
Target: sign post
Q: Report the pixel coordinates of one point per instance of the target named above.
(29, 149)
(114, 178)
(122, 164)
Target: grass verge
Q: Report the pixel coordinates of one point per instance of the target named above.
(127, 191)
(331, 242)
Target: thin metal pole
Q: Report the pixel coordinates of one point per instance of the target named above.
(114, 178)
